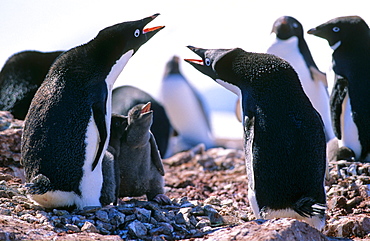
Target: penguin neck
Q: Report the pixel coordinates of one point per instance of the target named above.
(117, 68)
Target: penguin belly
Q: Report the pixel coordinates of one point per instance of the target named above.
(315, 90)
(349, 129)
(185, 112)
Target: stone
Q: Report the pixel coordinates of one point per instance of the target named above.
(89, 227)
(137, 229)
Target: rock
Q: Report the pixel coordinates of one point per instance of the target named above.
(358, 226)
(10, 139)
(276, 229)
(137, 229)
(89, 227)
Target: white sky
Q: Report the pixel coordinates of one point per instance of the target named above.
(46, 25)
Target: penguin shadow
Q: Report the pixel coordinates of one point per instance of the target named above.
(132, 166)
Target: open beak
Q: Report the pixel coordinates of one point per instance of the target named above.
(195, 61)
(146, 108)
(150, 32)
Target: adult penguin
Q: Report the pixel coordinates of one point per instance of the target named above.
(284, 135)
(349, 37)
(289, 44)
(66, 130)
(20, 77)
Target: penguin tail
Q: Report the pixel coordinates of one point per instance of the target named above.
(308, 207)
(39, 185)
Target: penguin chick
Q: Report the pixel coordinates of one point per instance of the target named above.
(20, 77)
(289, 44)
(108, 191)
(349, 37)
(125, 97)
(284, 136)
(66, 131)
(140, 165)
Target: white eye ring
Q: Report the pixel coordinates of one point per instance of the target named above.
(336, 29)
(137, 33)
(207, 61)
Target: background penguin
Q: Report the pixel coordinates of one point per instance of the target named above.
(349, 37)
(139, 163)
(290, 45)
(20, 77)
(185, 108)
(67, 128)
(284, 136)
(126, 97)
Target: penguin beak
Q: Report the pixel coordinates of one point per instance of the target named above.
(150, 32)
(312, 31)
(199, 52)
(146, 108)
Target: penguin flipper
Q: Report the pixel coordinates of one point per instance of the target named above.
(39, 185)
(338, 94)
(99, 111)
(155, 156)
(317, 75)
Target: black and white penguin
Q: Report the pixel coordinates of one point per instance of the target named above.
(284, 135)
(20, 77)
(125, 97)
(349, 37)
(186, 109)
(289, 44)
(67, 128)
(139, 163)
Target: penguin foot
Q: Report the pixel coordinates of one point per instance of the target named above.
(39, 185)
(162, 199)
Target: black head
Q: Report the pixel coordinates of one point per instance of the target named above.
(207, 65)
(342, 30)
(286, 27)
(124, 38)
(172, 66)
(140, 113)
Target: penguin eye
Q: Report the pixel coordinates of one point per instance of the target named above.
(137, 33)
(336, 29)
(295, 25)
(207, 61)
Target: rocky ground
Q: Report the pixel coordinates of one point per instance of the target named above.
(209, 202)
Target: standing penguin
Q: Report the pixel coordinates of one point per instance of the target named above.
(185, 108)
(20, 77)
(284, 136)
(290, 45)
(67, 128)
(125, 97)
(139, 163)
(349, 37)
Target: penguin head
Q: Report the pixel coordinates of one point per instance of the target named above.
(118, 124)
(140, 113)
(172, 66)
(342, 30)
(207, 65)
(127, 36)
(286, 27)
(117, 130)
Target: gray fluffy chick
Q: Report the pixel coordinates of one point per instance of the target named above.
(137, 157)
